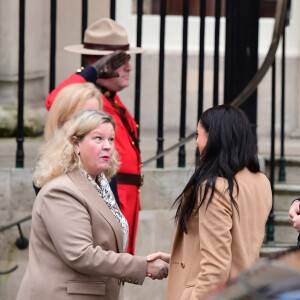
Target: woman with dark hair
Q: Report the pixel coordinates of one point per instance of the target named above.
(222, 211)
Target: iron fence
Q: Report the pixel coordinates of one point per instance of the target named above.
(281, 20)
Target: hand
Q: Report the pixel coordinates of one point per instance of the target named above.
(296, 222)
(157, 269)
(294, 211)
(107, 64)
(164, 256)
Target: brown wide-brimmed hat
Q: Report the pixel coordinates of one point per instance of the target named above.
(104, 37)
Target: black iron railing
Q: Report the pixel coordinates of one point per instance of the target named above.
(138, 63)
(21, 242)
(20, 135)
(216, 55)
(161, 72)
(184, 59)
(281, 20)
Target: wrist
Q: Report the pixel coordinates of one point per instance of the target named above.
(89, 73)
(147, 268)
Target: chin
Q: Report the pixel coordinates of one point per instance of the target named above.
(125, 83)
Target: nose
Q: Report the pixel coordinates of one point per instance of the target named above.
(127, 66)
(106, 144)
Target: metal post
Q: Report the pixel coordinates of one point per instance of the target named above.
(160, 137)
(138, 64)
(21, 242)
(20, 133)
(216, 55)
(201, 64)
(282, 157)
(181, 153)
(201, 58)
(52, 45)
(84, 18)
(113, 9)
(270, 222)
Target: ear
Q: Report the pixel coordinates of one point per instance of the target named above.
(75, 143)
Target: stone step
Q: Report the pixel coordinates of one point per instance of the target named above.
(284, 233)
(284, 194)
(269, 249)
(291, 168)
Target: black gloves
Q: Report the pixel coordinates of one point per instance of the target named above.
(106, 65)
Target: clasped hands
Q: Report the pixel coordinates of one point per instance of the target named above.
(158, 265)
(106, 65)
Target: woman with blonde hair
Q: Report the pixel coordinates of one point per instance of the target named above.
(78, 233)
(68, 101)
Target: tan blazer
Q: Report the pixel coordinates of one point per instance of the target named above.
(75, 246)
(220, 243)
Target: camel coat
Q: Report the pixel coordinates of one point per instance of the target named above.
(220, 243)
(75, 246)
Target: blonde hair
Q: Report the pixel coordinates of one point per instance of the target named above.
(57, 156)
(68, 101)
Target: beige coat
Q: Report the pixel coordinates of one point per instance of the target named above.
(220, 243)
(75, 246)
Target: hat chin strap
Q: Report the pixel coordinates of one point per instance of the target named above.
(106, 47)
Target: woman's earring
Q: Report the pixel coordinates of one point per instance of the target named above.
(78, 153)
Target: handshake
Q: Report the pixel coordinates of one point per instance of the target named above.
(158, 265)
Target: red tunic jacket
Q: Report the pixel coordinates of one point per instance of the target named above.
(128, 154)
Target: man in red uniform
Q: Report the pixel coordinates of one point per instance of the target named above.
(110, 73)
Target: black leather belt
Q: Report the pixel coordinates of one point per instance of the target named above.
(128, 178)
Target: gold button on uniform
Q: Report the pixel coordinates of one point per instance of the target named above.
(132, 142)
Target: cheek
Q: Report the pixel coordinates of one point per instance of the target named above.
(95, 149)
(201, 141)
(112, 149)
(117, 81)
(89, 150)
(197, 142)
